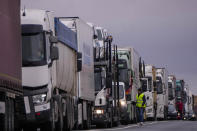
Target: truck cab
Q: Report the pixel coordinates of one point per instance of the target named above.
(162, 93)
(148, 84)
(37, 31)
(172, 112)
(129, 74)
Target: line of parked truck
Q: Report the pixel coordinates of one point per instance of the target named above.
(61, 73)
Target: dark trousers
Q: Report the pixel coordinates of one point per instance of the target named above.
(140, 114)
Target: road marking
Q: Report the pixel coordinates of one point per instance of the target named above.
(123, 127)
(130, 126)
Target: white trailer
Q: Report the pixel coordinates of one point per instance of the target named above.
(85, 83)
(162, 93)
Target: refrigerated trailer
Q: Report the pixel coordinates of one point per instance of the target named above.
(10, 66)
(58, 77)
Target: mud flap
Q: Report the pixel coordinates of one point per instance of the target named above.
(79, 114)
(84, 111)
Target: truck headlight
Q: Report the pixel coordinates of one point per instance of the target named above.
(193, 115)
(99, 111)
(39, 99)
(123, 103)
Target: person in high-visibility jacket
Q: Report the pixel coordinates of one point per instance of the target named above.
(140, 106)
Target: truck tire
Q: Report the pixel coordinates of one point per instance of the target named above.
(155, 111)
(66, 126)
(87, 123)
(59, 123)
(165, 112)
(9, 115)
(50, 126)
(110, 123)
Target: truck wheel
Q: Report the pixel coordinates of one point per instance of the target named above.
(59, 124)
(50, 126)
(110, 123)
(9, 115)
(164, 113)
(66, 126)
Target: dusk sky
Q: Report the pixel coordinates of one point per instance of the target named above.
(164, 32)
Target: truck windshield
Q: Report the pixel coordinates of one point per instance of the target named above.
(159, 85)
(149, 83)
(178, 92)
(170, 91)
(144, 85)
(99, 34)
(33, 49)
(98, 81)
(121, 92)
(123, 71)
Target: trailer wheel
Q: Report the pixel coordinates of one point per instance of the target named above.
(87, 123)
(66, 126)
(59, 123)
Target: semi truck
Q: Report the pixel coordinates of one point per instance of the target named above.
(105, 106)
(150, 91)
(172, 112)
(189, 113)
(57, 72)
(10, 67)
(162, 93)
(129, 74)
(180, 98)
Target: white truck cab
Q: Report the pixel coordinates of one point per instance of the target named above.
(148, 86)
(162, 93)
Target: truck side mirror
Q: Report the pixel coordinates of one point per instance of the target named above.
(79, 61)
(95, 36)
(128, 97)
(54, 53)
(53, 39)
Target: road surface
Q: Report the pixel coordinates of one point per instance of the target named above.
(156, 126)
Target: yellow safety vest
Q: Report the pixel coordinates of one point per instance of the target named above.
(140, 100)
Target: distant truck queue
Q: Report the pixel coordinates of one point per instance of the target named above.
(70, 76)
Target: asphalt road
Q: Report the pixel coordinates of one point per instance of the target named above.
(156, 126)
